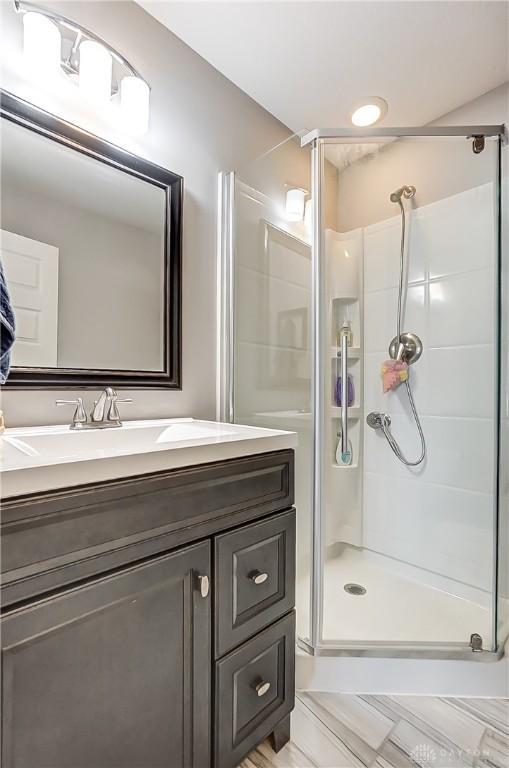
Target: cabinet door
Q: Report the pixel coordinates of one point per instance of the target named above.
(114, 674)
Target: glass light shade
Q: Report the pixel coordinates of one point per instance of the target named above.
(135, 104)
(308, 213)
(370, 112)
(42, 44)
(295, 199)
(366, 115)
(95, 70)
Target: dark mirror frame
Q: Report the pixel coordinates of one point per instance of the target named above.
(32, 118)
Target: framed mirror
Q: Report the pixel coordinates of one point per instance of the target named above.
(91, 246)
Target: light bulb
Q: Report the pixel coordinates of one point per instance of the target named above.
(135, 104)
(42, 44)
(366, 115)
(369, 113)
(295, 199)
(308, 214)
(95, 71)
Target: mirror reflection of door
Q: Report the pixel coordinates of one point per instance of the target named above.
(31, 271)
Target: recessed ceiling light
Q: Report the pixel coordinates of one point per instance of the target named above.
(369, 112)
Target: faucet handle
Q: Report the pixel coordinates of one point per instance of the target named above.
(79, 417)
(113, 414)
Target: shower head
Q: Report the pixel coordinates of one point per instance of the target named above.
(404, 191)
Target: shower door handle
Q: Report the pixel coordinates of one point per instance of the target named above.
(345, 451)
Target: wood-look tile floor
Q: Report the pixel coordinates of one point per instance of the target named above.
(331, 730)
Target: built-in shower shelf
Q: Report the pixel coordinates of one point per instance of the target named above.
(352, 352)
(354, 412)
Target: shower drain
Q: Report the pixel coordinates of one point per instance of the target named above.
(355, 589)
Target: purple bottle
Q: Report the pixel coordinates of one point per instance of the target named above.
(351, 391)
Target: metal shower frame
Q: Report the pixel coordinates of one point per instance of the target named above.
(317, 139)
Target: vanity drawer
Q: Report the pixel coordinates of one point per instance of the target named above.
(57, 537)
(255, 690)
(254, 578)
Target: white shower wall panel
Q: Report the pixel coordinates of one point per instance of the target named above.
(439, 515)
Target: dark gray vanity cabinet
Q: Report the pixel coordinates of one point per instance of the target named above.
(115, 672)
(148, 622)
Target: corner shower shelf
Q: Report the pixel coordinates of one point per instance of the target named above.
(354, 412)
(352, 352)
(345, 467)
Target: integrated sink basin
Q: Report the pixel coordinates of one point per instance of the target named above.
(42, 458)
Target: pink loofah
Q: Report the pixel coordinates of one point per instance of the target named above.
(393, 373)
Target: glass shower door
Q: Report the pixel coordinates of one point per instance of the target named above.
(393, 557)
(271, 280)
(408, 552)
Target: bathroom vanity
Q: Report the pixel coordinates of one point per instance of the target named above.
(147, 616)
(148, 568)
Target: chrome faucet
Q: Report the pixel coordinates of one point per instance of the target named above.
(104, 413)
(105, 401)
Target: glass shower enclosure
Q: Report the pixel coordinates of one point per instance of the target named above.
(373, 321)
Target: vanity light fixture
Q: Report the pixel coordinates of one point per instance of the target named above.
(42, 44)
(95, 71)
(135, 102)
(369, 112)
(53, 44)
(295, 203)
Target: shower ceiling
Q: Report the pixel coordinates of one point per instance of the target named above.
(309, 63)
(343, 155)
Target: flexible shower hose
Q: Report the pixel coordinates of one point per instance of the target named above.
(385, 427)
(385, 423)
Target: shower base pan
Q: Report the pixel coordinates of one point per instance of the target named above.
(397, 608)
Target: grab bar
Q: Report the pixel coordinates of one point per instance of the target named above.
(346, 454)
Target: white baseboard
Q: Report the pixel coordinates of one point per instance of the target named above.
(425, 677)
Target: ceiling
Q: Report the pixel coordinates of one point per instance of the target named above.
(308, 63)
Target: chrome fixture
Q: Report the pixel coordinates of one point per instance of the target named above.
(406, 191)
(262, 688)
(476, 643)
(258, 578)
(79, 418)
(408, 348)
(376, 420)
(104, 413)
(405, 347)
(346, 446)
(204, 583)
(355, 589)
(478, 144)
(345, 135)
(54, 44)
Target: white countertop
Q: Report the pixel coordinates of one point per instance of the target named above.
(34, 459)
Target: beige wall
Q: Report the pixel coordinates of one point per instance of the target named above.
(200, 124)
(438, 168)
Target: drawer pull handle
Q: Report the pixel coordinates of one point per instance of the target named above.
(262, 688)
(204, 585)
(258, 578)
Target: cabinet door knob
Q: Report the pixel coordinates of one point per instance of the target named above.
(258, 577)
(262, 688)
(204, 585)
